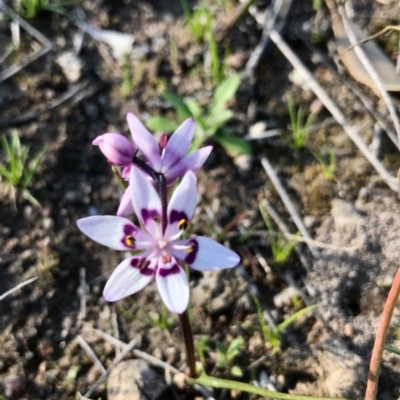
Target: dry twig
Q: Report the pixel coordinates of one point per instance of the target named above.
(371, 71)
(289, 236)
(128, 347)
(47, 44)
(333, 109)
(76, 92)
(82, 293)
(376, 357)
(275, 19)
(287, 202)
(365, 100)
(19, 286)
(82, 342)
(374, 36)
(144, 356)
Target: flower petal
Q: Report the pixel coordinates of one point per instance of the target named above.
(146, 201)
(118, 233)
(182, 204)
(178, 145)
(117, 148)
(145, 141)
(126, 172)
(125, 206)
(128, 278)
(173, 286)
(204, 254)
(191, 163)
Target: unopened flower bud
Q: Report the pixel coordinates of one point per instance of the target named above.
(117, 148)
(163, 140)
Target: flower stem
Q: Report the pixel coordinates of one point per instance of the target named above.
(188, 335)
(146, 168)
(161, 187)
(376, 357)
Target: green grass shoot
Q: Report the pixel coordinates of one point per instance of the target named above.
(30, 8)
(272, 336)
(299, 124)
(16, 170)
(280, 247)
(328, 167)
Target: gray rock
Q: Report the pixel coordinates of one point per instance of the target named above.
(134, 380)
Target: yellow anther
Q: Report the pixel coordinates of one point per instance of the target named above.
(129, 240)
(182, 224)
(189, 248)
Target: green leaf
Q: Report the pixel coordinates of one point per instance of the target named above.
(180, 106)
(392, 349)
(28, 196)
(232, 144)
(222, 348)
(31, 169)
(194, 108)
(221, 118)
(161, 124)
(224, 92)
(234, 348)
(236, 371)
(6, 175)
(283, 325)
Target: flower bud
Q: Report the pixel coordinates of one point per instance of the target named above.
(117, 148)
(163, 141)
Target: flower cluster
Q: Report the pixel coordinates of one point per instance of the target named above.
(157, 244)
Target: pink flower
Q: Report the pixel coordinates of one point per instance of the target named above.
(159, 251)
(172, 161)
(117, 148)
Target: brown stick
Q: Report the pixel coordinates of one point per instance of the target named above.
(376, 357)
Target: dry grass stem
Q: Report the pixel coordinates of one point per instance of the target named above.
(82, 293)
(289, 236)
(274, 20)
(19, 286)
(287, 202)
(371, 71)
(82, 342)
(333, 109)
(374, 36)
(116, 361)
(47, 44)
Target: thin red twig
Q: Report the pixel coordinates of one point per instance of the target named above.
(376, 357)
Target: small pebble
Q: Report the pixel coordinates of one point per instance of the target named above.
(71, 65)
(13, 384)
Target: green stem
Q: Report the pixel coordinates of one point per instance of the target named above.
(218, 383)
(188, 335)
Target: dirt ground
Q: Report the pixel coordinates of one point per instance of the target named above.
(64, 105)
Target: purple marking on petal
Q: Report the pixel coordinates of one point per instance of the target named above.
(164, 272)
(142, 265)
(192, 255)
(149, 214)
(128, 239)
(128, 230)
(135, 262)
(176, 216)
